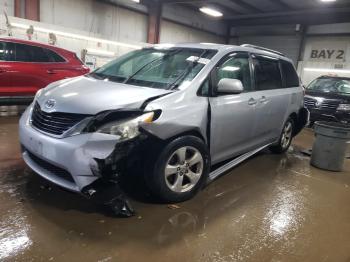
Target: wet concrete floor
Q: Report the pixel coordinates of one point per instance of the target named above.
(270, 208)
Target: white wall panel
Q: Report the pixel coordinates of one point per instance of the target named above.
(7, 6)
(98, 18)
(175, 33)
(340, 67)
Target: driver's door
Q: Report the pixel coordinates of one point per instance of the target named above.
(232, 115)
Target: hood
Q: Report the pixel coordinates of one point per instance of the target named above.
(85, 95)
(337, 96)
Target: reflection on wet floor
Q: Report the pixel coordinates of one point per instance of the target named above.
(269, 208)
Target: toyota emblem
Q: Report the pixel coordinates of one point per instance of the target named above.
(50, 103)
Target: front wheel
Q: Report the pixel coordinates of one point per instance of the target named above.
(285, 138)
(180, 169)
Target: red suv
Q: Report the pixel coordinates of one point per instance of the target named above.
(27, 66)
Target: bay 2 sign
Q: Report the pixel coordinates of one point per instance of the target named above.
(336, 53)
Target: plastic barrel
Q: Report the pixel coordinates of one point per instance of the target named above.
(330, 146)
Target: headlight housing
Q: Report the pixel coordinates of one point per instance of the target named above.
(344, 107)
(126, 129)
(38, 93)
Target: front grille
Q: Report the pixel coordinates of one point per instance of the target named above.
(309, 102)
(54, 123)
(57, 171)
(326, 104)
(330, 104)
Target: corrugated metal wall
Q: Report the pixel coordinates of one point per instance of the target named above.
(175, 33)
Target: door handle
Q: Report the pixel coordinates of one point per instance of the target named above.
(252, 102)
(263, 99)
(51, 72)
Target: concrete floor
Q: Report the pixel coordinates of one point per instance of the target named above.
(270, 208)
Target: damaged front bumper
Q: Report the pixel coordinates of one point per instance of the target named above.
(77, 163)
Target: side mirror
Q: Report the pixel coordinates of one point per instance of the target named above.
(230, 86)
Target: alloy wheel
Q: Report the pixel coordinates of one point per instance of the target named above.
(184, 169)
(286, 135)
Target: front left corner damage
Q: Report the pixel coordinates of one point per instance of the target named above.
(125, 157)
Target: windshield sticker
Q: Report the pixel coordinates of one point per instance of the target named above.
(203, 61)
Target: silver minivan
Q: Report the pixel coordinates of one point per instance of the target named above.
(173, 111)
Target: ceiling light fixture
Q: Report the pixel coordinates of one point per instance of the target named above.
(328, 1)
(210, 11)
(136, 1)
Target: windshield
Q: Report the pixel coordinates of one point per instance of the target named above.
(156, 68)
(330, 85)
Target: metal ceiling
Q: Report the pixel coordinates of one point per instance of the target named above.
(258, 12)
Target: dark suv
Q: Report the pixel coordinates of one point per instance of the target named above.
(328, 99)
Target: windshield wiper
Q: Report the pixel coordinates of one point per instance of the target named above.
(98, 75)
(173, 52)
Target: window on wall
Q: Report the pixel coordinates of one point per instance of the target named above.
(236, 66)
(267, 73)
(289, 74)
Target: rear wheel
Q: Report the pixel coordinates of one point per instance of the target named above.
(180, 169)
(286, 137)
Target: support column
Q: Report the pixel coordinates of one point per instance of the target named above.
(19, 8)
(32, 10)
(154, 18)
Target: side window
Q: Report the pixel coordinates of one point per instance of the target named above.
(236, 66)
(267, 74)
(289, 74)
(3, 51)
(23, 53)
(6, 51)
(28, 53)
(53, 56)
(204, 89)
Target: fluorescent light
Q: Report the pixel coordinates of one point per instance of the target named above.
(328, 1)
(325, 70)
(231, 68)
(76, 36)
(100, 52)
(210, 11)
(136, 1)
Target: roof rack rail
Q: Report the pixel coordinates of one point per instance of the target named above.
(263, 48)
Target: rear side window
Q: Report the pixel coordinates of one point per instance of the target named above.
(267, 73)
(289, 74)
(53, 56)
(36, 54)
(6, 51)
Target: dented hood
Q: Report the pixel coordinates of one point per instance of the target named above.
(85, 95)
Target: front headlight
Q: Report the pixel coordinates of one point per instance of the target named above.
(126, 129)
(38, 93)
(344, 107)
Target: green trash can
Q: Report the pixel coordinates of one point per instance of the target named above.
(330, 147)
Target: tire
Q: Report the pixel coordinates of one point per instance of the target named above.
(179, 171)
(287, 133)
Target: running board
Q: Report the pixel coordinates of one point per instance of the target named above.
(217, 172)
